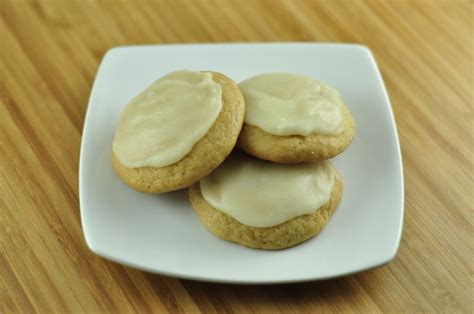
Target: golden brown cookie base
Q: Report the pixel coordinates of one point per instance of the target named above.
(206, 154)
(287, 234)
(296, 148)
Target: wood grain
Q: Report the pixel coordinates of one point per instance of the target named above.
(49, 54)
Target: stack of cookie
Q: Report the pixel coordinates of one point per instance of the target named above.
(276, 189)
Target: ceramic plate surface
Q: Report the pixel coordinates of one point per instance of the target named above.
(162, 234)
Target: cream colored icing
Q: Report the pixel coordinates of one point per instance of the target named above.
(260, 193)
(289, 104)
(161, 125)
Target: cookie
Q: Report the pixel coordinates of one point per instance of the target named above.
(287, 123)
(287, 234)
(206, 154)
(266, 205)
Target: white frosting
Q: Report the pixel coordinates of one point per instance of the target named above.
(161, 125)
(288, 104)
(259, 193)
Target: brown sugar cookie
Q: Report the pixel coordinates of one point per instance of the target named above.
(206, 154)
(287, 234)
(266, 205)
(293, 118)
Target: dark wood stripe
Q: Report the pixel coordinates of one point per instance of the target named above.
(160, 286)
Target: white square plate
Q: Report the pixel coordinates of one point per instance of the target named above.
(162, 234)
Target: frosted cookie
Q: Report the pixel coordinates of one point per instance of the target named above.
(266, 205)
(177, 131)
(292, 118)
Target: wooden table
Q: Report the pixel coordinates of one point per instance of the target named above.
(49, 54)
